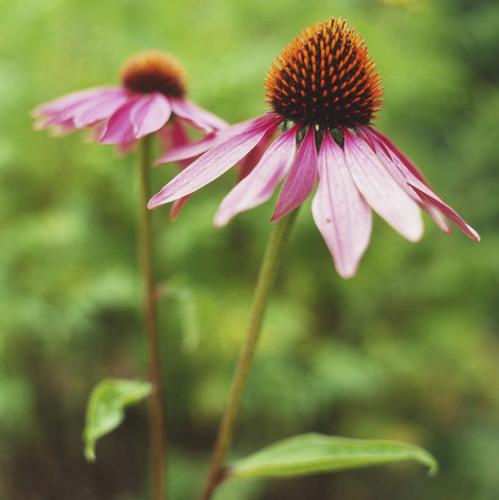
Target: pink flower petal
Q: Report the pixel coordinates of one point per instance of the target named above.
(391, 163)
(149, 114)
(197, 116)
(214, 162)
(341, 214)
(213, 139)
(388, 144)
(380, 190)
(98, 108)
(177, 206)
(63, 112)
(431, 202)
(62, 103)
(179, 137)
(254, 156)
(257, 187)
(301, 179)
(119, 128)
(190, 150)
(437, 217)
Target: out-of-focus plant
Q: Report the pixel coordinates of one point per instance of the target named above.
(150, 101)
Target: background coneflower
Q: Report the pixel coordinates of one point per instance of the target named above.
(152, 90)
(324, 92)
(151, 100)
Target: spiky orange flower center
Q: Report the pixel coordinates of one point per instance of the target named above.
(154, 72)
(325, 77)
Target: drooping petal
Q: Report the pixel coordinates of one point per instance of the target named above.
(257, 187)
(433, 200)
(98, 108)
(197, 116)
(340, 212)
(381, 190)
(119, 128)
(178, 205)
(179, 137)
(213, 163)
(149, 114)
(212, 140)
(391, 163)
(190, 150)
(254, 156)
(437, 217)
(301, 178)
(62, 113)
(436, 208)
(388, 144)
(62, 103)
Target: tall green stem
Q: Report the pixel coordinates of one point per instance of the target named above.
(157, 435)
(266, 279)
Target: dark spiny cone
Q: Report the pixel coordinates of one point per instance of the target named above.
(325, 77)
(154, 72)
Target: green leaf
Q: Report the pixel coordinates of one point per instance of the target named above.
(105, 408)
(314, 453)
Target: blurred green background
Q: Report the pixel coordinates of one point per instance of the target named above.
(407, 350)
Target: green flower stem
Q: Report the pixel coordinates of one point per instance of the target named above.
(266, 279)
(157, 434)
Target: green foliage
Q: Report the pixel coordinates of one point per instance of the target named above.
(106, 406)
(314, 453)
(407, 350)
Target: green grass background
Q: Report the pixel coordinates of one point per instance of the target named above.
(407, 350)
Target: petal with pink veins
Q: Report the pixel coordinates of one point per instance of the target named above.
(179, 137)
(437, 217)
(436, 208)
(149, 114)
(301, 178)
(214, 163)
(381, 190)
(214, 139)
(62, 103)
(388, 144)
(192, 150)
(257, 187)
(197, 116)
(254, 156)
(340, 212)
(429, 197)
(177, 206)
(119, 128)
(98, 108)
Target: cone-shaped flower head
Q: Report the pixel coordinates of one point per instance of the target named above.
(152, 91)
(325, 77)
(324, 92)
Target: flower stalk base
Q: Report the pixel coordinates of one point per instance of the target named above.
(268, 271)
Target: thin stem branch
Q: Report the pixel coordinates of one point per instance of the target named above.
(157, 435)
(266, 279)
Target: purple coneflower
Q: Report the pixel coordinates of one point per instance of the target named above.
(152, 90)
(324, 92)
